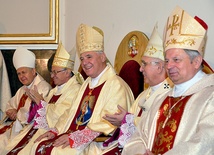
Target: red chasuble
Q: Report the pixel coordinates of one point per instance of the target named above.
(21, 104)
(81, 118)
(30, 133)
(170, 114)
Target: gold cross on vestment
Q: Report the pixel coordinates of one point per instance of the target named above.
(174, 25)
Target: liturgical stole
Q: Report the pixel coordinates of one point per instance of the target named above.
(80, 120)
(170, 114)
(25, 140)
(21, 104)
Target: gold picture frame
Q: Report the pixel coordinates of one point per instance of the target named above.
(48, 36)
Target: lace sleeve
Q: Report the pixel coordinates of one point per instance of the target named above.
(40, 120)
(127, 128)
(82, 138)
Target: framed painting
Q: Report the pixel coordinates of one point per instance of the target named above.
(29, 22)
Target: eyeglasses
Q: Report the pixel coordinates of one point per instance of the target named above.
(144, 64)
(56, 72)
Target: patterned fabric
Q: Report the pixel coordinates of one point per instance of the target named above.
(82, 138)
(194, 135)
(171, 112)
(114, 91)
(74, 126)
(23, 142)
(45, 147)
(41, 123)
(22, 116)
(40, 120)
(127, 129)
(55, 109)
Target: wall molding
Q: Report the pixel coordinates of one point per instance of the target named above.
(48, 33)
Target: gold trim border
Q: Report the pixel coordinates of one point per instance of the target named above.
(39, 38)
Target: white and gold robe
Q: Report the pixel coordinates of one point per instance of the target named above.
(22, 115)
(54, 111)
(115, 91)
(195, 133)
(144, 101)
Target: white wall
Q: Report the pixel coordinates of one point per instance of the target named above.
(119, 17)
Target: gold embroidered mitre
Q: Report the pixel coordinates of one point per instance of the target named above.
(154, 47)
(89, 39)
(184, 31)
(64, 59)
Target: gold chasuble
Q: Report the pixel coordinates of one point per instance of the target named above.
(21, 104)
(30, 133)
(170, 114)
(81, 118)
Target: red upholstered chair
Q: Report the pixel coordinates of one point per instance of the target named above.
(131, 74)
(81, 71)
(127, 63)
(206, 68)
(128, 60)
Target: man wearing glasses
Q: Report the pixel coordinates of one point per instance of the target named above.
(155, 77)
(100, 93)
(45, 112)
(17, 108)
(180, 122)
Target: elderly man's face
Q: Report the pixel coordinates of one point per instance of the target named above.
(26, 75)
(149, 68)
(93, 63)
(59, 75)
(179, 67)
